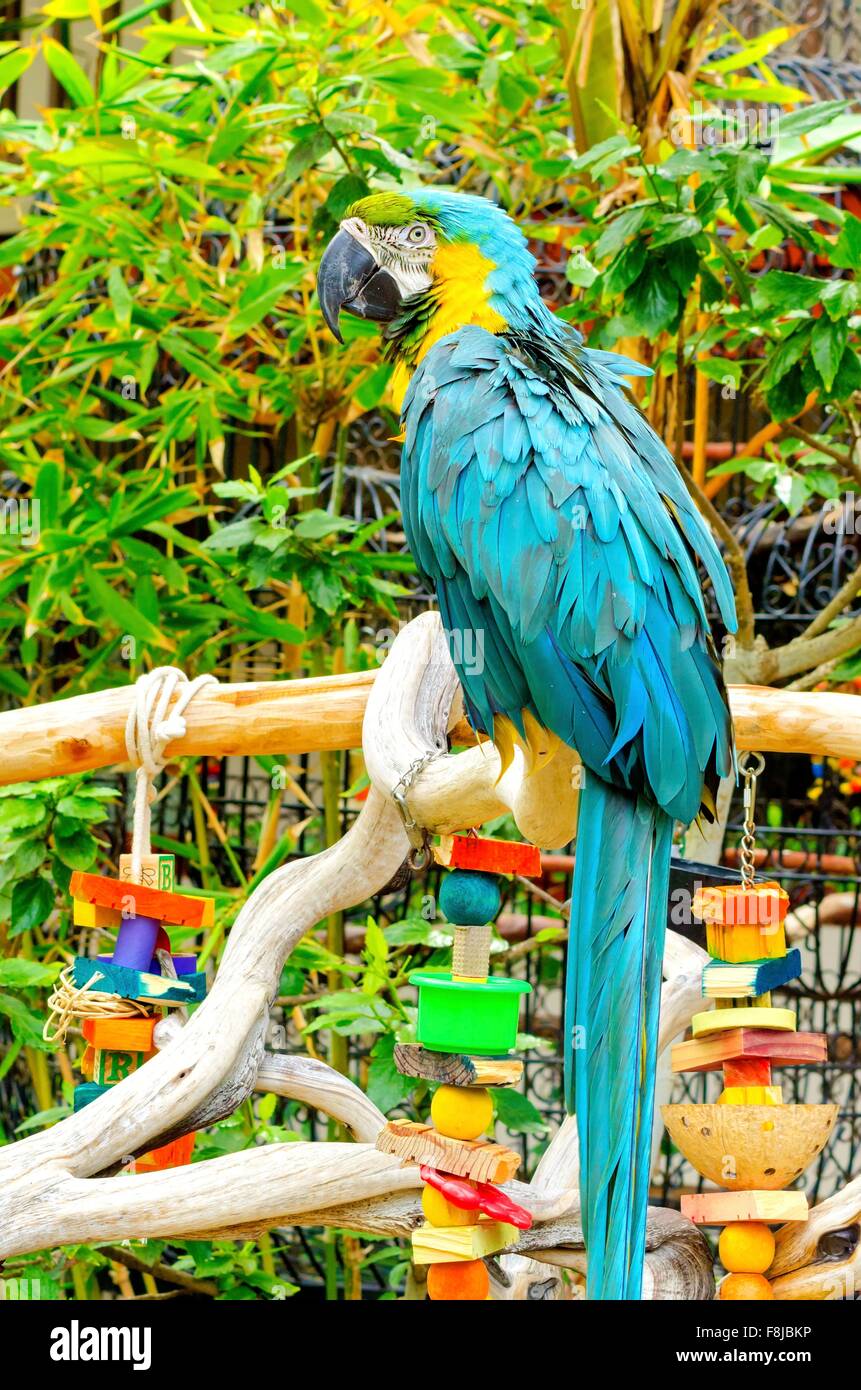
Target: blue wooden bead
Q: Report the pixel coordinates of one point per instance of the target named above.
(470, 898)
(90, 1090)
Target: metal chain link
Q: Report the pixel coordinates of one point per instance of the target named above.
(420, 855)
(750, 772)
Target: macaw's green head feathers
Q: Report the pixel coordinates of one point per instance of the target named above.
(435, 257)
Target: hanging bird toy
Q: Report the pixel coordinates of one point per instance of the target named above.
(749, 1142)
(120, 999)
(467, 1027)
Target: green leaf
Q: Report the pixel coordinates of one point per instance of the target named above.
(847, 251)
(784, 291)
(69, 73)
(261, 296)
(32, 903)
(675, 227)
(121, 298)
(517, 1113)
(386, 1087)
(126, 617)
(616, 233)
(75, 846)
(81, 807)
(17, 973)
(810, 117)
(18, 813)
(14, 65)
(785, 355)
(827, 345)
(305, 153)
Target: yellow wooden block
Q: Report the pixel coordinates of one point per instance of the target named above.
(759, 1001)
(717, 1020)
(751, 1095)
(94, 915)
(736, 944)
(445, 1244)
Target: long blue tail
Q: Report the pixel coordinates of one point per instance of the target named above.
(612, 1002)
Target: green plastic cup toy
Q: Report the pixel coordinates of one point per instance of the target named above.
(478, 1018)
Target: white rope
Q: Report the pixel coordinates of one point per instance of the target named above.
(149, 729)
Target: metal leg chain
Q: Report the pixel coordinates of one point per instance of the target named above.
(750, 771)
(420, 855)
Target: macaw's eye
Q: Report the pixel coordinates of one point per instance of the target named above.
(418, 234)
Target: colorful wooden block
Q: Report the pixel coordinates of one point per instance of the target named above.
(737, 1044)
(176, 1154)
(136, 942)
(715, 1020)
(124, 1034)
(751, 1095)
(445, 1244)
(467, 1158)
(87, 1092)
(734, 905)
(133, 899)
(489, 856)
(157, 871)
(747, 1071)
(720, 1208)
(183, 965)
(111, 1067)
(136, 984)
(95, 917)
(476, 1196)
(456, 1069)
(746, 980)
(88, 1061)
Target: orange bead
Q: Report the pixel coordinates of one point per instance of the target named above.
(746, 1288)
(746, 1247)
(462, 1280)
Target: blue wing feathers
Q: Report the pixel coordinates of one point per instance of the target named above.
(560, 502)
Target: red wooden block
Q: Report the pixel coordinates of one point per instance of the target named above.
(489, 856)
(133, 899)
(747, 1071)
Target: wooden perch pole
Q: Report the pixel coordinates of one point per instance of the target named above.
(309, 716)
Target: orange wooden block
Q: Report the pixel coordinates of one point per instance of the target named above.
(173, 1155)
(747, 1071)
(88, 1060)
(764, 905)
(742, 1044)
(120, 1034)
(133, 899)
(489, 856)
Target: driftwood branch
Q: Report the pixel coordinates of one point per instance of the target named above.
(61, 1186)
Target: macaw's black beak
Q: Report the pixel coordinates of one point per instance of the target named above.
(349, 278)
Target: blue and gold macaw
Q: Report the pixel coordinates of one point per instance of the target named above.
(561, 540)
